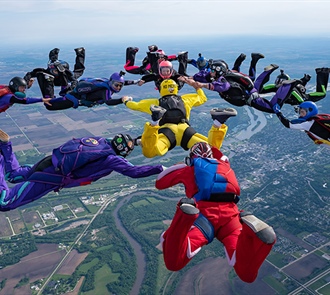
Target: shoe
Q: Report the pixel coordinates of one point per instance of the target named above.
(222, 115)
(322, 70)
(4, 137)
(79, 50)
(263, 231)
(305, 79)
(257, 56)
(188, 206)
(242, 57)
(271, 67)
(157, 112)
(137, 141)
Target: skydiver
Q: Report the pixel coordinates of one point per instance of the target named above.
(314, 124)
(239, 90)
(15, 93)
(165, 71)
(90, 92)
(169, 126)
(58, 73)
(45, 176)
(209, 211)
(299, 93)
(151, 61)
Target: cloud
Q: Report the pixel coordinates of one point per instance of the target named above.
(77, 20)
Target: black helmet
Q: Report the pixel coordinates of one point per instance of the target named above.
(122, 144)
(15, 82)
(220, 67)
(282, 77)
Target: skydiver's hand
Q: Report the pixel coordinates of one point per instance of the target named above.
(141, 82)
(126, 98)
(30, 83)
(276, 108)
(47, 101)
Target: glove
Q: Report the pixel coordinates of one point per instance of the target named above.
(125, 99)
(276, 108)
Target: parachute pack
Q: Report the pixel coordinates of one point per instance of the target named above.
(78, 152)
(89, 85)
(4, 89)
(324, 121)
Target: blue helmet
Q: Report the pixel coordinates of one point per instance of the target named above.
(116, 81)
(201, 62)
(310, 108)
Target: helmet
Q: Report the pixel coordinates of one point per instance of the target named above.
(311, 109)
(168, 87)
(122, 144)
(201, 62)
(281, 77)
(152, 48)
(165, 69)
(220, 67)
(201, 149)
(16, 82)
(57, 66)
(116, 81)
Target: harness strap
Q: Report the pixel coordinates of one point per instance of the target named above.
(223, 197)
(170, 136)
(205, 226)
(187, 135)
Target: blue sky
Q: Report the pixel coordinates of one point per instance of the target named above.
(80, 21)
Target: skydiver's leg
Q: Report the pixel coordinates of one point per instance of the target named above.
(263, 78)
(60, 103)
(130, 55)
(238, 62)
(180, 241)
(183, 63)
(322, 79)
(79, 66)
(46, 84)
(253, 65)
(283, 93)
(153, 60)
(153, 143)
(14, 172)
(253, 246)
(21, 194)
(304, 80)
(216, 135)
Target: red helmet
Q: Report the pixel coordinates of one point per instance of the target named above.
(165, 69)
(202, 150)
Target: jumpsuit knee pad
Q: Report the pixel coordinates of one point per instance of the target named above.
(262, 230)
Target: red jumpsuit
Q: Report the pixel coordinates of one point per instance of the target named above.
(182, 240)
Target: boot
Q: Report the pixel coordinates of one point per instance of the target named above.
(262, 230)
(130, 54)
(304, 80)
(238, 62)
(53, 54)
(157, 112)
(222, 115)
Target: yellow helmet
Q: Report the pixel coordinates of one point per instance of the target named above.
(168, 87)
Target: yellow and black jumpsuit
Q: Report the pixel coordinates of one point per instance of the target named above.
(158, 140)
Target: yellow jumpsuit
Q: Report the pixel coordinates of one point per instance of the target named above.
(158, 144)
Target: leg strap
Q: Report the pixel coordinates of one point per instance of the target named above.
(187, 135)
(205, 226)
(170, 136)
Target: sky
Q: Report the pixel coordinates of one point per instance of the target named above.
(32, 21)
